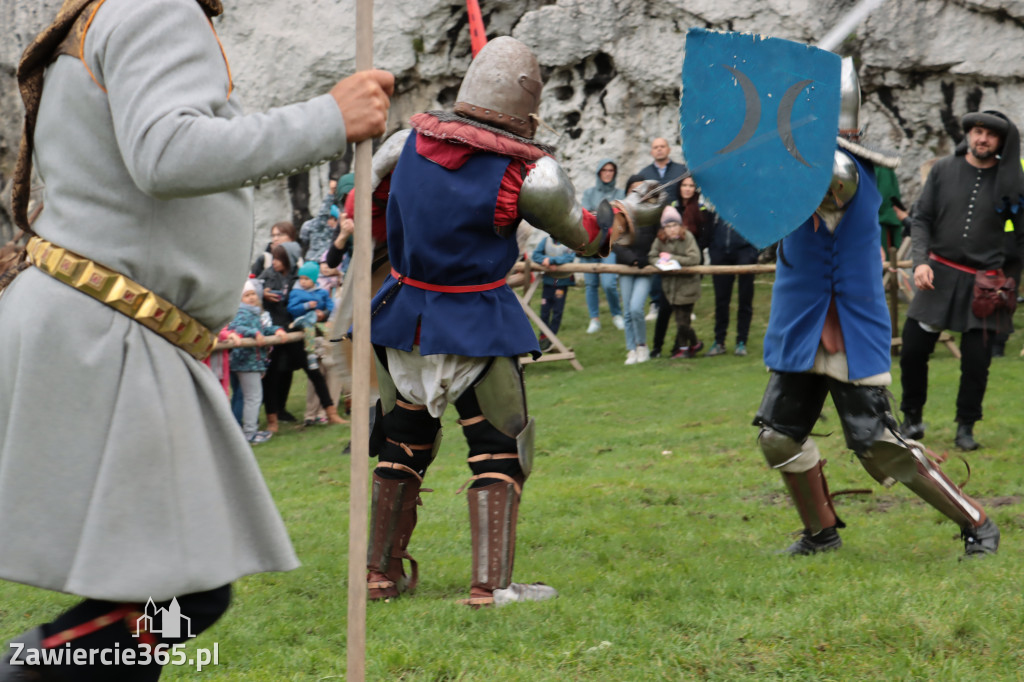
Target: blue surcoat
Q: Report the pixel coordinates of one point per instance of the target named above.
(441, 231)
(844, 265)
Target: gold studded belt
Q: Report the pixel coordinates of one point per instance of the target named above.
(123, 295)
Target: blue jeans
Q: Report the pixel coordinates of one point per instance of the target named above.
(634, 294)
(606, 280)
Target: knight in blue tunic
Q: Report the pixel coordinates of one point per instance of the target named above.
(829, 333)
(445, 326)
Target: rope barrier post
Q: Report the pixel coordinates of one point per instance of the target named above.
(360, 460)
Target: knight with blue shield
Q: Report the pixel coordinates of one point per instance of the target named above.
(829, 333)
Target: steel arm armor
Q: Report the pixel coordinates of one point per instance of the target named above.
(548, 202)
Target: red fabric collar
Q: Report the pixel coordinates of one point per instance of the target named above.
(450, 143)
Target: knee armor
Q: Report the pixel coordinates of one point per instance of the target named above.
(785, 454)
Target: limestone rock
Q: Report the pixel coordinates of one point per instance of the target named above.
(612, 68)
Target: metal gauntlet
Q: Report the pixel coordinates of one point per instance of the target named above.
(548, 202)
(640, 209)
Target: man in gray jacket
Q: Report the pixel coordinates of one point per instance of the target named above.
(123, 476)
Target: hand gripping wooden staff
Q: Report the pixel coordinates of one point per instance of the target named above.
(362, 260)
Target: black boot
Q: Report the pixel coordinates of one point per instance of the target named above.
(965, 437)
(981, 540)
(824, 541)
(912, 426)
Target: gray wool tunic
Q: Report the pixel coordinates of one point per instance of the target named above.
(123, 474)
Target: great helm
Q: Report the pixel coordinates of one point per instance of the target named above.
(849, 100)
(502, 87)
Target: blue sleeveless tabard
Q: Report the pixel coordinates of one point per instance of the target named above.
(845, 265)
(441, 232)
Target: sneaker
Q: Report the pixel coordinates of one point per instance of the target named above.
(695, 348)
(594, 326)
(654, 354)
(260, 437)
(323, 420)
(652, 313)
(517, 592)
(982, 540)
(681, 353)
(741, 349)
(825, 541)
(631, 357)
(718, 349)
(642, 354)
(309, 422)
(545, 345)
(619, 322)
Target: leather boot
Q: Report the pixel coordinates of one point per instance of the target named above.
(912, 426)
(333, 417)
(393, 518)
(272, 425)
(965, 437)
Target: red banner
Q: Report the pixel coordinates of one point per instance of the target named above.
(477, 36)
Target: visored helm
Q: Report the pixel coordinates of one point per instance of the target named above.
(502, 87)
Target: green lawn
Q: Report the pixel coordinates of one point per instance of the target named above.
(652, 511)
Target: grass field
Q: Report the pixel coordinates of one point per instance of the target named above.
(652, 511)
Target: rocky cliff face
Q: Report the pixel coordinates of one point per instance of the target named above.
(611, 68)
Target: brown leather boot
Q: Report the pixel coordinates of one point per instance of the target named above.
(393, 518)
(333, 417)
(272, 423)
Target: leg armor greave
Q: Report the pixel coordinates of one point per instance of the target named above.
(393, 520)
(801, 467)
(500, 438)
(907, 462)
(405, 439)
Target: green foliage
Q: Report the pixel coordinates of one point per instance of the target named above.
(653, 513)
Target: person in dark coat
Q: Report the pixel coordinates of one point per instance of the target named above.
(959, 228)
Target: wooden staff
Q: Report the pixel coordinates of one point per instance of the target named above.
(362, 259)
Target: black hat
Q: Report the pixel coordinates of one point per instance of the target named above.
(993, 120)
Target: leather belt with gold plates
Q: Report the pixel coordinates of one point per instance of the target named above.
(123, 295)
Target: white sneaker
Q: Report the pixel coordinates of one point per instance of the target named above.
(631, 357)
(517, 592)
(652, 313)
(594, 326)
(642, 354)
(619, 323)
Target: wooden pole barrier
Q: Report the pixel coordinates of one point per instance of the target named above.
(569, 268)
(359, 482)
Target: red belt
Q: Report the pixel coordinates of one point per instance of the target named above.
(956, 266)
(444, 288)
